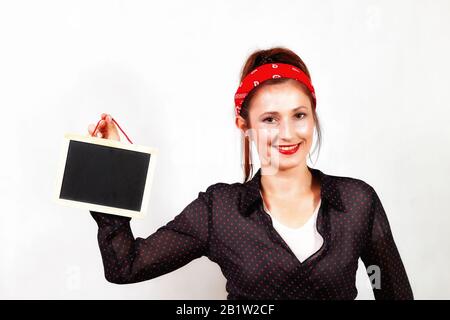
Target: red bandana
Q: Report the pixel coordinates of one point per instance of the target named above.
(266, 72)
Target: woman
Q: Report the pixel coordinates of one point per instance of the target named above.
(291, 231)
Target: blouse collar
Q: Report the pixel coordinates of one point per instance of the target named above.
(329, 191)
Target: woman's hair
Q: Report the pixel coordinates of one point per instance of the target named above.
(256, 59)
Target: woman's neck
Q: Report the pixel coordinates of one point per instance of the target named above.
(294, 182)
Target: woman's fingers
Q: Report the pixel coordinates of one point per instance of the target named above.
(91, 128)
(105, 128)
(106, 116)
(100, 132)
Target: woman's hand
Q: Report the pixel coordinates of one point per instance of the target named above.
(107, 129)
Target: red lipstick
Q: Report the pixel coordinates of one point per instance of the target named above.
(288, 149)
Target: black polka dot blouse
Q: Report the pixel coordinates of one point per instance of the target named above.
(227, 224)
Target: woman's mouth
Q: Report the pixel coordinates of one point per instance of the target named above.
(288, 149)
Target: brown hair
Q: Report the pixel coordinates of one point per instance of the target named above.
(256, 59)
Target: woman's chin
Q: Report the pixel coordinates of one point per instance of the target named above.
(286, 164)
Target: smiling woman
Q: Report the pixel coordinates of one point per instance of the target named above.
(263, 95)
(291, 231)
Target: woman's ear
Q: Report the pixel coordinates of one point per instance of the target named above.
(241, 124)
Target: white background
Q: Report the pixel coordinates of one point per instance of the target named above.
(167, 71)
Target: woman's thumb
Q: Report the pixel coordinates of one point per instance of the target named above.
(110, 123)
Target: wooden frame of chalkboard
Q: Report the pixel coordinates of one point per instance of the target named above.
(69, 139)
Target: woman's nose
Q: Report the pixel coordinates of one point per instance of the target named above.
(286, 130)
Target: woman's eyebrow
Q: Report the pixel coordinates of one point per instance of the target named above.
(276, 112)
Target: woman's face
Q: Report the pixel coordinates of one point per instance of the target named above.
(281, 116)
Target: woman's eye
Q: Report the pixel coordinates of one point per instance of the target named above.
(302, 115)
(269, 118)
(299, 115)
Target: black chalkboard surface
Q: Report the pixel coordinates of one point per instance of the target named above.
(105, 176)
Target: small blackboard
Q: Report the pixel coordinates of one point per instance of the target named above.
(105, 175)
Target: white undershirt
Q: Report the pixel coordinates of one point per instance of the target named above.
(303, 241)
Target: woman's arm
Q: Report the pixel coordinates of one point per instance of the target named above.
(181, 240)
(380, 251)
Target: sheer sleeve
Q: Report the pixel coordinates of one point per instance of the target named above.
(181, 240)
(381, 252)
